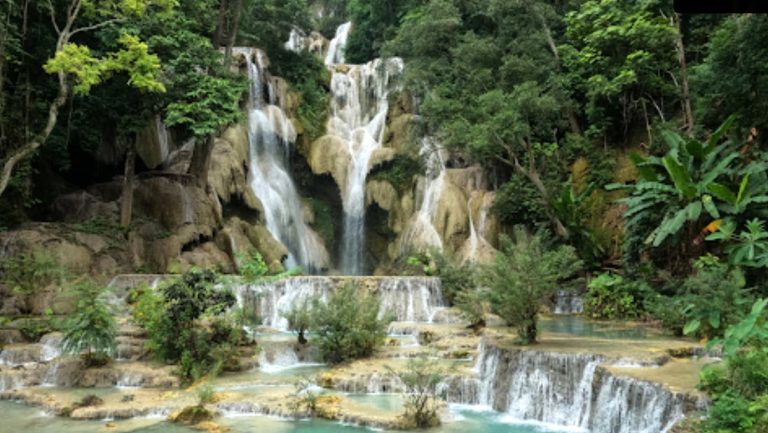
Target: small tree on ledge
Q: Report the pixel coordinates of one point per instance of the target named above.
(524, 274)
(91, 329)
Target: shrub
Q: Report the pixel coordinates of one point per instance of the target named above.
(348, 325)
(474, 305)
(182, 325)
(91, 328)
(523, 276)
(300, 319)
(716, 297)
(252, 266)
(421, 379)
(612, 297)
(28, 272)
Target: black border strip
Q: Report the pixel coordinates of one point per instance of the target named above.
(721, 6)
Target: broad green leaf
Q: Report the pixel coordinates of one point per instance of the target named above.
(722, 130)
(680, 177)
(646, 172)
(694, 211)
(742, 189)
(718, 170)
(714, 319)
(691, 326)
(722, 192)
(710, 207)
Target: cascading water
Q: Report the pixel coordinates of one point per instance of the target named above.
(270, 180)
(359, 107)
(335, 54)
(567, 389)
(409, 299)
(421, 233)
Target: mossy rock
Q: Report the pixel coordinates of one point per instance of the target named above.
(192, 415)
(328, 407)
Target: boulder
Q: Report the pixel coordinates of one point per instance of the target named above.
(227, 174)
(207, 255)
(273, 251)
(174, 202)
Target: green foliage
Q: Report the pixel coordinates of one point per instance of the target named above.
(518, 203)
(692, 182)
(300, 319)
(375, 22)
(33, 329)
(474, 304)
(524, 274)
(205, 393)
(91, 328)
(421, 378)
(347, 326)
(611, 297)
(99, 226)
(308, 77)
(716, 297)
(252, 266)
(454, 278)
(182, 323)
(748, 248)
(570, 207)
(732, 78)
(618, 52)
(400, 172)
(28, 272)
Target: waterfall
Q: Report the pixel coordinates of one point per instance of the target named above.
(408, 299)
(359, 109)
(268, 128)
(568, 303)
(421, 233)
(338, 44)
(296, 41)
(568, 389)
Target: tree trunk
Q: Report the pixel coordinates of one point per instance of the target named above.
(686, 94)
(37, 141)
(201, 161)
(221, 24)
(126, 205)
(535, 179)
(302, 338)
(234, 24)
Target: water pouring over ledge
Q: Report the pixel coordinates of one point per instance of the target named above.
(270, 180)
(359, 106)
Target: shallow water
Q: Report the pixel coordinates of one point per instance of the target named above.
(581, 327)
(22, 418)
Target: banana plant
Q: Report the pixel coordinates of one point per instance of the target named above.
(692, 179)
(748, 248)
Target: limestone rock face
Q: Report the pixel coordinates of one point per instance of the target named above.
(329, 155)
(271, 249)
(174, 203)
(380, 156)
(452, 218)
(207, 255)
(383, 194)
(82, 206)
(153, 144)
(228, 172)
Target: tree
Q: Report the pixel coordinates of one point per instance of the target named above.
(348, 326)
(523, 276)
(300, 319)
(91, 328)
(733, 77)
(421, 378)
(77, 70)
(177, 332)
(619, 53)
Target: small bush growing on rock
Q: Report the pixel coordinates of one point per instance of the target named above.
(90, 330)
(523, 276)
(28, 272)
(421, 378)
(612, 297)
(348, 325)
(182, 325)
(300, 319)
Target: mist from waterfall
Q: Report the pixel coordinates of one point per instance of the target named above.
(359, 107)
(271, 182)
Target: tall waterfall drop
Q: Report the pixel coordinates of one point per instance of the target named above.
(268, 129)
(359, 109)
